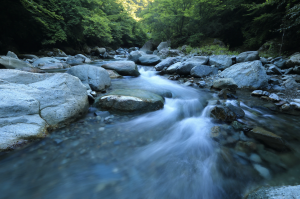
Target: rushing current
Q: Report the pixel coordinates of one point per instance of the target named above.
(162, 154)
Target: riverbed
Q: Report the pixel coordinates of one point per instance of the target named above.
(166, 154)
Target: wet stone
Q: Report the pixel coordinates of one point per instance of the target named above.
(223, 113)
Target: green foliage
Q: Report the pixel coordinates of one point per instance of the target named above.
(210, 50)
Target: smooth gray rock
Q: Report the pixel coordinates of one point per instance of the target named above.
(99, 51)
(28, 56)
(247, 56)
(86, 60)
(125, 68)
(272, 69)
(290, 84)
(12, 63)
(293, 61)
(97, 78)
(220, 61)
(149, 59)
(31, 103)
(166, 63)
(148, 46)
(247, 75)
(162, 45)
(135, 55)
(130, 101)
(186, 67)
(73, 61)
(203, 60)
(12, 55)
(203, 70)
(173, 68)
(45, 61)
(280, 63)
(281, 192)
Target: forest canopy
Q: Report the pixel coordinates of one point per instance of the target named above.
(33, 24)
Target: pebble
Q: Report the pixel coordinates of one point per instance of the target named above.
(255, 158)
(101, 129)
(264, 172)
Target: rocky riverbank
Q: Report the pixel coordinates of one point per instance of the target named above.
(39, 94)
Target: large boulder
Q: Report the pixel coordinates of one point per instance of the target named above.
(130, 101)
(12, 63)
(125, 68)
(149, 59)
(135, 55)
(166, 63)
(280, 192)
(97, 78)
(220, 61)
(162, 45)
(98, 50)
(247, 75)
(293, 61)
(247, 56)
(186, 67)
(148, 46)
(31, 103)
(203, 70)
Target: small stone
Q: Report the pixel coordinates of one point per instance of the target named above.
(274, 97)
(257, 93)
(255, 158)
(285, 107)
(93, 93)
(264, 172)
(101, 129)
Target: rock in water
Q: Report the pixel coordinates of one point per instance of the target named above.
(203, 70)
(125, 68)
(287, 192)
(247, 56)
(267, 137)
(149, 59)
(247, 75)
(12, 63)
(113, 74)
(166, 63)
(220, 61)
(223, 113)
(130, 101)
(225, 83)
(135, 55)
(97, 78)
(31, 102)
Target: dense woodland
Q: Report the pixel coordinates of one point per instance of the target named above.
(29, 25)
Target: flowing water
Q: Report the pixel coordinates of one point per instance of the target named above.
(163, 154)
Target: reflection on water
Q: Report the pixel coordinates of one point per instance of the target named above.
(163, 154)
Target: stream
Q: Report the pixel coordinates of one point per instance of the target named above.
(166, 154)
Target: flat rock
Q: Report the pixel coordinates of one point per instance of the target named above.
(267, 137)
(96, 77)
(31, 103)
(125, 68)
(130, 101)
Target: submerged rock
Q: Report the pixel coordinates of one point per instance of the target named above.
(130, 101)
(247, 75)
(267, 137)
(97, 78)
(125, 68)
(31, 103)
